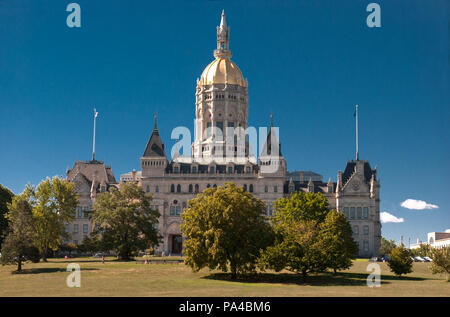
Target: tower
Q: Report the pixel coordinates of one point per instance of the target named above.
(221, 108)
(154, 159)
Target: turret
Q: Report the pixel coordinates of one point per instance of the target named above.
(154, 159)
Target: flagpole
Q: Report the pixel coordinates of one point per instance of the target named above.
(93, 142)
(357, 154)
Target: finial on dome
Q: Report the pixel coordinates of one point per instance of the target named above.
(223, 38)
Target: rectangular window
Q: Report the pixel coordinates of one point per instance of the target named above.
(219, 125)
(366, 230)
(85, 215)
(359, 212)
(156, 189)
(211, 170)
(366, 213)
(352, 212)
(356, 230)
(275, 189)
(366, 246)
(346, 212)
(80, 212)
(75, 228)
(67, 228)
(266, 189)
(172, 210)
(194, 169)
(248, 169)
(85, 228)
(230, 170)
(178, 210)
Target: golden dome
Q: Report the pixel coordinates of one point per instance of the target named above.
(221, 71)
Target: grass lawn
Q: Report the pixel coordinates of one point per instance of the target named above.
(116, 278)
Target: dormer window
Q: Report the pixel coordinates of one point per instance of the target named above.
(248, 169)
(211, 169)
(291, 188)
(330, 188)
(194, 169)
(230, 169)
(311, 188)
(176, 169)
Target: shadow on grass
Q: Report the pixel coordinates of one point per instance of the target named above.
(323, 279)
(47, 270)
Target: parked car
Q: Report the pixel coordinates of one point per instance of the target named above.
(419, 259)
(98, 255)
(375, 259)
(413, 259)
(427, 259)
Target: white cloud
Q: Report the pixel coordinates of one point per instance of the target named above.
(387, 217)
(417, 204)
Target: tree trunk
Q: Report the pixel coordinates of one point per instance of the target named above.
(44, 255)
(334, 271)
(304, 276)
(19, 265)
(233, 271)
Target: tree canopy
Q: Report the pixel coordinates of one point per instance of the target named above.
(441, 261)
(308, 236)
(124, 220)
(53, 203)
(387, 246)
(400, 262)
(18, 245)
(5, 198)
(225, 228)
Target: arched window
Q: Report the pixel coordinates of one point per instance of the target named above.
(251, 188)
(172, 188)
(190, 188)
(178, 188)
(196, 188)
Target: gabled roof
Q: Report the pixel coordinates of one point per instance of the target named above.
(155, 147)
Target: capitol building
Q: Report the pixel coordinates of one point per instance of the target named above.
(220, 153)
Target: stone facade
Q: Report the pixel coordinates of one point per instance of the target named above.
(221, 102)
(220, 154)
(91, 178)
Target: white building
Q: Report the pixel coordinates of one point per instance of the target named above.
(435, 240)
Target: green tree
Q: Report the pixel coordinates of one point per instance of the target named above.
(386, 246)
(298, 244)
(296, 249)
(423, 250)
(225, 228)
(18, 244)
(53, 202)
(400, 262)
(126, 221)
(336, 242)
(441, 261)
(5, 198)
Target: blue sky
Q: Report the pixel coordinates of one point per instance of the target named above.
(309, 62)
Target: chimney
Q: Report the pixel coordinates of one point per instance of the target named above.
(134, 175)
(301, 177)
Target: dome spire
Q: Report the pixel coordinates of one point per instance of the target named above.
(223, 39)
